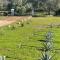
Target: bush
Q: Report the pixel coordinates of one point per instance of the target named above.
(5, 13)
(39, 15)
(1, 14)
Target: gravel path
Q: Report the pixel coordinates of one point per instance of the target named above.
(11, 19)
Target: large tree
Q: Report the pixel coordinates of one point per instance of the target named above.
(21, 6)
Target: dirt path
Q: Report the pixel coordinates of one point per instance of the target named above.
(11, 19)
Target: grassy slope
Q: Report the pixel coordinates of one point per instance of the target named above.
(11, 40)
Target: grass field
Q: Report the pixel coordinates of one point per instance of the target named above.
(2, 17)
(17, 43)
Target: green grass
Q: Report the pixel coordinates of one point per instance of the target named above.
(12, 41)
(2, 17)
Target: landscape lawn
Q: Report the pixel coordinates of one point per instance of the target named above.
(2, 17)
(20, 43)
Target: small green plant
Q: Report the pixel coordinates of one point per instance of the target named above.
(22, 24)
(13, 27)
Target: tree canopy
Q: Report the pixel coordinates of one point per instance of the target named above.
(25, 6)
